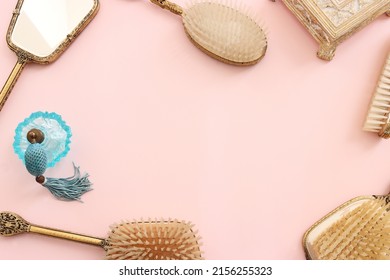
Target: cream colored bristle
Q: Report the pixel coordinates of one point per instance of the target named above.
(363, 233)
(162, 240)
(225, 32)
(379, 111)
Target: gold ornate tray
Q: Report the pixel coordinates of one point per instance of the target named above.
(332, 21)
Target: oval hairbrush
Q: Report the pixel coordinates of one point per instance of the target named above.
(222, 32)
(378, 116)
(357, 230)
(137, 240)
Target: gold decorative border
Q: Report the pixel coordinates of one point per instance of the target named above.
(11, 224)
(323, 30)
(341, 8)
(340, 4)
(29, 57)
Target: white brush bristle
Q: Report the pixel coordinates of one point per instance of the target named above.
(225, 31)
(153, 240)
(380, 104)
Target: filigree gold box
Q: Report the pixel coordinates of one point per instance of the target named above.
(332, 21)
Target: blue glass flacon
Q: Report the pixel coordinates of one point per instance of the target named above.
(57, 136)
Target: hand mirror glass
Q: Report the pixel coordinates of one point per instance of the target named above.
(41, 30)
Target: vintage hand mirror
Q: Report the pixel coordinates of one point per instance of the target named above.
(41, 30)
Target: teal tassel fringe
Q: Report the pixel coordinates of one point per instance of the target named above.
(71, 188)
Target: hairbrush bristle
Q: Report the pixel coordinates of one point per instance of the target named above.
(361, 234)
(225, 32)
(378, 113)
(153, 240)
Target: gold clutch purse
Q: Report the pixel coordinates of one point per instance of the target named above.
(330, 22)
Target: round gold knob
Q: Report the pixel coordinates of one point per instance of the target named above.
(35, 136)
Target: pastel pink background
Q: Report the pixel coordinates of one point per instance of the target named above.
(252, 156)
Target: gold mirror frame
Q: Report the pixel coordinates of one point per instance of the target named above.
(328, 25)
(25, 57)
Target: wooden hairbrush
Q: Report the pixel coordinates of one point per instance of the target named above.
(150, 240)
(357, 230)
(377, 119)
(220, 31)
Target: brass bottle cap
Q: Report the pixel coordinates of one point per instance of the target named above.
(35, 136)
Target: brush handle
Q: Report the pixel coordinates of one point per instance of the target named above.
(385, 131)
(172, 7)
(67, 235)
(10, 83)
(12, 224)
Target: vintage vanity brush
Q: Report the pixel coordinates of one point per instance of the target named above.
(377, 119)
(357, 230)
(222, 32)
(41, 30)
(138, 240)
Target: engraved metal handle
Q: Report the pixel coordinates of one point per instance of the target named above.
(67, 235)
(12, 224)
(172, 7)
(10, 83)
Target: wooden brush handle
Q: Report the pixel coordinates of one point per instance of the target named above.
(67, 235)
(172, 7)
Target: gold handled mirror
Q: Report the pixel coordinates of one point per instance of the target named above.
(41, 30)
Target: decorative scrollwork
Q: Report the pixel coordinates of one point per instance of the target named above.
(311, 22)
(23, 57)
(385, 198)
(11, 224)
(339, 12)
(332, 21)
(385, 132)
(326, 51)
